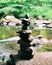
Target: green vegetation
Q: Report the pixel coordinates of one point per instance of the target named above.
(22, 7)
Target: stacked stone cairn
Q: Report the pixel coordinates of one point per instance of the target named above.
(25, 52)
(26, 39)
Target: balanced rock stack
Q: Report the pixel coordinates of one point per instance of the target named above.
(25, 52)
(24, 34)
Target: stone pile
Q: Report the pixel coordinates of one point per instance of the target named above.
(24, 34)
